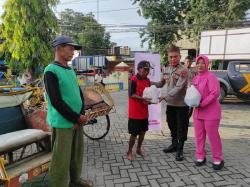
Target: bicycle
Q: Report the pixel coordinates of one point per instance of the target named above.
(98, 104)
(96, 108)
(97, 128)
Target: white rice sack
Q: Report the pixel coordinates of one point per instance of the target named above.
(192, 97)
(152, 93)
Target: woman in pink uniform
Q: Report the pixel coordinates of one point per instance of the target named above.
(207, 115)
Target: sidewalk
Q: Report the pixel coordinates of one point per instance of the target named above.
(105, 162)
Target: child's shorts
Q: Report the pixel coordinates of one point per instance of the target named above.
(136, 126)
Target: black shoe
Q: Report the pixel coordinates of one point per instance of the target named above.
(200, 163)
(179, 155)
(172, 148)
(179, 152)
(218, 166)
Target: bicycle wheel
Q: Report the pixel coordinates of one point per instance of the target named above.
(97, 128)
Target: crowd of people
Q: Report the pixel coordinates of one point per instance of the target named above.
(65, 112)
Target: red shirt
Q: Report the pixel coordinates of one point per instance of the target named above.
(136, 108)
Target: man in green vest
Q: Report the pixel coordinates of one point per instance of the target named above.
(65, 116)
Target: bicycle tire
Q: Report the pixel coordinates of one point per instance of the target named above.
(96, 132)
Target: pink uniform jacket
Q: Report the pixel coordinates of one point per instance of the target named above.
(209, 88)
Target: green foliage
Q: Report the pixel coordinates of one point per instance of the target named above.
(162, 14)
(28, 27)
(214, 14)
(85, 30)
(169, 20)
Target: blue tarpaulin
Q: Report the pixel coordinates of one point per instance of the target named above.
(91, 61)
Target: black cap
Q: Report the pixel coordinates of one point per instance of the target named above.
(59, 40)
(144, 64)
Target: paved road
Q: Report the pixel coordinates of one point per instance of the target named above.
(105, 162)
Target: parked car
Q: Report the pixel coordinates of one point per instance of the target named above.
(235, 80)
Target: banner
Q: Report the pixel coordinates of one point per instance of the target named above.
(154, 76)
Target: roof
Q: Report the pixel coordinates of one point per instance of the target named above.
(122, 64)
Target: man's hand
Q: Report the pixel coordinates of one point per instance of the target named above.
(161, 98)
(165, 77)
(146, 100)
(77, 126)
(184, 73)
(82, 120)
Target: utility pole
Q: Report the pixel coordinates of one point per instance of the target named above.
(97, 12)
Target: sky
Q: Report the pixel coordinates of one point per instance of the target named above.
(111, 12)
(123, 12)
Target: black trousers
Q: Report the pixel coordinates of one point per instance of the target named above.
(177, 119)
(190, 112)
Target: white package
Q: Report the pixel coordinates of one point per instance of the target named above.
(152, 93)
(192, 97)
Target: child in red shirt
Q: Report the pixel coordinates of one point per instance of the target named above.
(138, 109)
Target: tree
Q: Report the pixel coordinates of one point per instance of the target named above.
(214, 14)
(85, 30)
(27, 29)
(169, 20)
(164, 20)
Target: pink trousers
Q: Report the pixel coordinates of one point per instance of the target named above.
(211, 129)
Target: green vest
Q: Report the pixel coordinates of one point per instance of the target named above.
(70, 94)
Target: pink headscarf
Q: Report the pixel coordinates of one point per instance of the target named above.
(205, 59)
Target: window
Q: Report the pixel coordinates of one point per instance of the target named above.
(243, 68)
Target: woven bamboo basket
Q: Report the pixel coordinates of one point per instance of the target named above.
(98, 101)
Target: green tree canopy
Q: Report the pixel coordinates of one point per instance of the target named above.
(162, 15)
(85, 30)
(28, 27)
(214, 14)
(169, 20)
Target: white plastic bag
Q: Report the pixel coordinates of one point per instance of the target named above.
(192, 97)
(152, 93)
